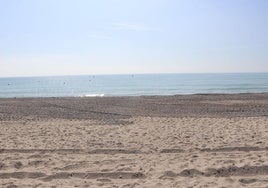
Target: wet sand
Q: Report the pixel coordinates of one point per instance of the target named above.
(154, 141)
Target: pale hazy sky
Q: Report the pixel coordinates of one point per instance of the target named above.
(66, 37)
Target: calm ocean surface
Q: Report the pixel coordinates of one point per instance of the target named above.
(133, 85)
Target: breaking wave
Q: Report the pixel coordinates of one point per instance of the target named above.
(93, 95)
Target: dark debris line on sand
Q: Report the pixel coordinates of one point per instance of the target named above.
(67, 175)
(222, 172)
(119, 110)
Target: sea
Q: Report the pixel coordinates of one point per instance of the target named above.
(133, 85)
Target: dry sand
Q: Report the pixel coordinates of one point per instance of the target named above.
(171, 141)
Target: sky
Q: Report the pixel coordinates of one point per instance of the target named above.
(73, 37)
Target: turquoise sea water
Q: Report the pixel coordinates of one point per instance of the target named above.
(133, 85)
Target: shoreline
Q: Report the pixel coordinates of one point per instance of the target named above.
(136, 96)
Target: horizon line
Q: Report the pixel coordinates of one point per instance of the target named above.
(114, 74)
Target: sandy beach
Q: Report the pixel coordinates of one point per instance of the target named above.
(150, 141)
